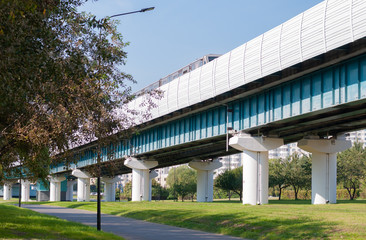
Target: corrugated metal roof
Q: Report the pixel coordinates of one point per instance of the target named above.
(322, 28)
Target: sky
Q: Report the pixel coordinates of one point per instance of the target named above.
(177, 32)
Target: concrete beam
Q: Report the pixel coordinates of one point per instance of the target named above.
(324, 167)
(7, 190)
(83, 182)
(205, 178)
(140, 177)
(110, 188)
(255, 165)
(55, 187)
(25, 191)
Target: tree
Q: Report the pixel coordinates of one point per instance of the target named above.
(182, 181)
(127, 191)
(298, 172)
(61, 84)
(231, 180)
(277, 177)
(158, 192)
(351, 165)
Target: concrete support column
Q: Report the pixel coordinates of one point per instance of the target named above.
(205, 178)
(140, 177)
(83, 182)
(55, 188)
(25, 190)
(70, 190)
(255, 165)
(153, 174)
(324, 167)
(110, 188)
(7, 191)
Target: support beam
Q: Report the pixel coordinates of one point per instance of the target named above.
(83, 182)
(205, 178)
(255, 165)
(25, 190)
(55, 188)
(110, 188)
(70, 190)
(140, 177)
(324, 167)
(7, 190)
(153, 174)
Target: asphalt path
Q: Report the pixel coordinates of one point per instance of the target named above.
(125, 227)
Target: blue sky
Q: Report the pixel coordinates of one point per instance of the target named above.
(177, 32)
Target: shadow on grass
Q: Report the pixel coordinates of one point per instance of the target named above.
(64, 204)
(306, 202)
(244, 225)
(351, 201)
(227, 201)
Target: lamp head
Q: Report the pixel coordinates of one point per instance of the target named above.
(147, 9)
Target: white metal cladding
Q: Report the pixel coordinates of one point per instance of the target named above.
(206, 81)
(221, 76)
(194, 86)
(326, 26)
(183, 93)
(236, 67)
(172, 95)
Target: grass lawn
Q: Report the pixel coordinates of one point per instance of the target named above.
(20, 223)
(277, 220)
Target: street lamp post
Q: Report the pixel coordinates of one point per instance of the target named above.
(142, 10)
(98, 159)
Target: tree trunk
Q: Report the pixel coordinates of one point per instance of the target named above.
(296, 191)
(349, 193)
(279, 194)
(354, 192)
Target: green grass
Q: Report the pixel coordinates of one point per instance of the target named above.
(20, 223)
(277, 220)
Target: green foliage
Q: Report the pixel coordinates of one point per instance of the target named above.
(219, 193)
(289, 194)
(231, 180)
(294, 171)
(127, 191)
(277, 175)
(158, 192)
(298, 172)
(182, 181)
(351, 168)
(60, 83)
(118, 193)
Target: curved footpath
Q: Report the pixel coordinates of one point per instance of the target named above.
(125, 227)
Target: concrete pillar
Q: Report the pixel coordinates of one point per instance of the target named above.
(70, 190)
(153, 174)
(255, 165)
(324, 167)
(83, 182)
(205, 178)
(140, 177)
(7, 191)
(25, 190)
(110, 188)
(55, 188)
